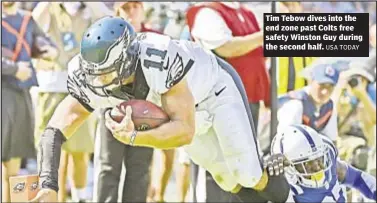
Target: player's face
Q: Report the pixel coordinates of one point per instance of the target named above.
(311, 167)
(105, 79)
(109, 79)
(321, 93)
(313, 170)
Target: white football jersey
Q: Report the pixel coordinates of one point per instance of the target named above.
(164, 63)
(223, 143)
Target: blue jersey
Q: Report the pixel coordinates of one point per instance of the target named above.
(330, 192)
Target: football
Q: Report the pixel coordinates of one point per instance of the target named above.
(145, 115)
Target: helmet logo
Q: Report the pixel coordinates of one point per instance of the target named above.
(329, 71)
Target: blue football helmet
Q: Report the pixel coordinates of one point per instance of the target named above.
(108, 54)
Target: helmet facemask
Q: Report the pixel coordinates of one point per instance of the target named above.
(120, 63)
(311, 171)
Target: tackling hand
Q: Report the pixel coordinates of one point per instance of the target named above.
(121, 131)
(274, 164)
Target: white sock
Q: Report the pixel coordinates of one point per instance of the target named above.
(78, 194)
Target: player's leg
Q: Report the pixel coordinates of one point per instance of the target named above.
(235, 131)
(183, 174)
(151, 188)
(183, 181)
(194, 180)
(137, 162)
(62, 180)
(78, 168)
(163, 174)
(9, 169)
(108, 159)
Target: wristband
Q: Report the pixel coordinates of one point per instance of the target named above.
(133, 136)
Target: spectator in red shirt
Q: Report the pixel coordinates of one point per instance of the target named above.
(232, 32)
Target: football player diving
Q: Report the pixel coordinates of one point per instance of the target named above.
(201, 93)
(313, 169)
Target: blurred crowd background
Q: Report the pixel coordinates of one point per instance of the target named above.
(172, 174)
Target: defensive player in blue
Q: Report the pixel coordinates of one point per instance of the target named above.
(313, 169)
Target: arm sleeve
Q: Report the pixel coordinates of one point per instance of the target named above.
(363, 182)
(331, 129)
(8, 67)
(210, 30)
(290, 113)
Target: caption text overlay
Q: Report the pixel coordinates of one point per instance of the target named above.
(316, 34)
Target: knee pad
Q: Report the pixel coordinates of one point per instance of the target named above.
(359, 157)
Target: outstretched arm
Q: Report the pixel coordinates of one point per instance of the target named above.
(68, 116)
(355, 178)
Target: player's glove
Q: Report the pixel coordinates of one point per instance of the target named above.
(274, 164)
